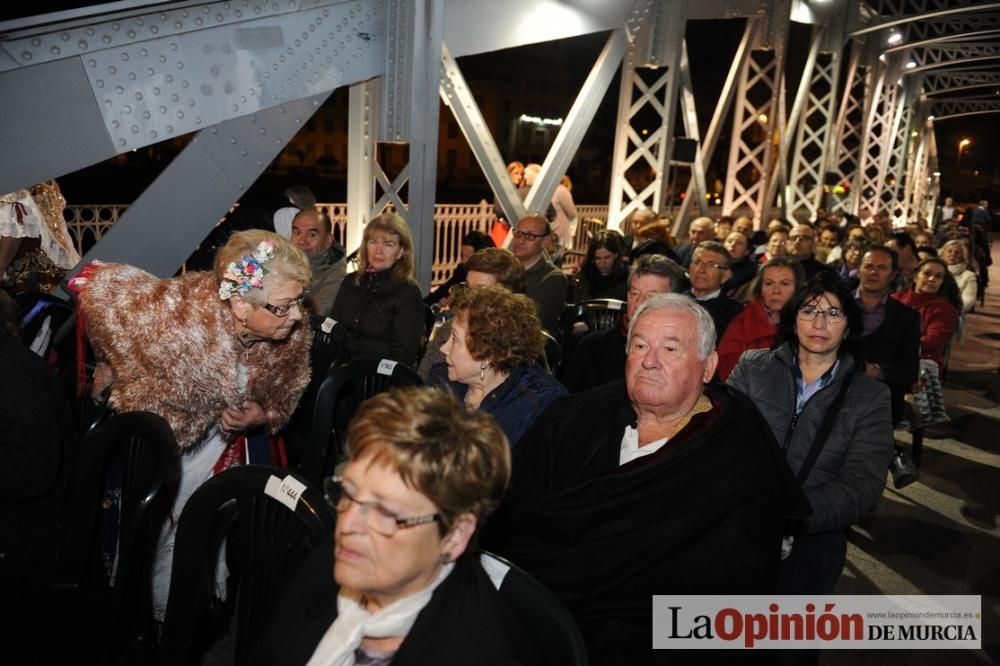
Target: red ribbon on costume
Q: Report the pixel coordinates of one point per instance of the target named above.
(20, 210)
(235, 454)
(76, 285)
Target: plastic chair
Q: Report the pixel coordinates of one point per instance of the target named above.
(344, 388)
(598, 314)
(543, 616)
(270, 519)
(138, 451)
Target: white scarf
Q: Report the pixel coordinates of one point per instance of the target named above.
(958, 269)
(353, 623)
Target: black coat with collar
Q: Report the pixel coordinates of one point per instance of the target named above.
(465, 622)
(703, 515)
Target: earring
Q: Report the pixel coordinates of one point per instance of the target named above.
(445, 558)
(482, 371)
(244, 331)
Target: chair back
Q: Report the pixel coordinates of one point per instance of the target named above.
(269, 519)
(339, 396)
(544, 618)
(136, 451)
(598, 314)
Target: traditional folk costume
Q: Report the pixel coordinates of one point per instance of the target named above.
(173, 347)
(37, 213)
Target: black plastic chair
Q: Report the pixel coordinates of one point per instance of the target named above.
(344, 388)
(543, 616)
(266, 540)
(598, 314)
(138, 452)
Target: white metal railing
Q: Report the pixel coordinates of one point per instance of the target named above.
(87, 224)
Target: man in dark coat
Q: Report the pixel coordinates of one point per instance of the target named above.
(892, 330)
(655, 485)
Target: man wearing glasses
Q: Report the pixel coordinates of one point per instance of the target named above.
(708, 271)
(546, 284)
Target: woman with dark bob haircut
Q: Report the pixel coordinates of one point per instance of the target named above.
(401, 582)
(833, 423)
(496, 340)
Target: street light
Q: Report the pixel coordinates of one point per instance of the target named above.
(961, 146)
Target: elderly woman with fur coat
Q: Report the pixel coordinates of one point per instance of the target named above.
(217, 354)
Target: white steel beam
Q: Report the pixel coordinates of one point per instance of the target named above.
(362, 128)
(706, 151)
(456, 94)
(755, 121)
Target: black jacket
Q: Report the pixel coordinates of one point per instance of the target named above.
(895, 347)
(465, 622)
(599, 358)
(723, 310)
(384, 318)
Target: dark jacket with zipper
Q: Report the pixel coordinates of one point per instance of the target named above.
(847, 480)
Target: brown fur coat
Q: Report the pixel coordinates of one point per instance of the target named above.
(173, 348)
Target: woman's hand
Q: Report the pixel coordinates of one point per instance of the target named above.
(240, 419)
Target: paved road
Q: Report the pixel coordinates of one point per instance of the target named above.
(940, 535)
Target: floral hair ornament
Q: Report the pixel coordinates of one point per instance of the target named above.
(247, 273)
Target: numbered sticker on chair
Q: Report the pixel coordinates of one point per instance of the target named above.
(385, 366)
(327, 325)
(615, 305)
(287, 490)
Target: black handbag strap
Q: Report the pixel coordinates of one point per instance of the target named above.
(825, 426)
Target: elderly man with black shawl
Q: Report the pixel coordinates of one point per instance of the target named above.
(658, 484)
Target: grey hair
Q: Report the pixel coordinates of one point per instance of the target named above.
(680, 303)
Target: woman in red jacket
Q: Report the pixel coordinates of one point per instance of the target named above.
(934, 295)
(757, 325)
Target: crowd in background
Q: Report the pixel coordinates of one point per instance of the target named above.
(854, 312)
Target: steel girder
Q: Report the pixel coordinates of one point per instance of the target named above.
(949, 55)
(892, 190)
(755, 121)
(942, 109)
(247, 75)
(876, 140)
(456, 94)
(706, 149)
(849, 134)
(917, 175)
(941, 83)
(812, 142)
(155, 75)
(650, 80)
(362, 129)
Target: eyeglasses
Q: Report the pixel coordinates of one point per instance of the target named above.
(283, 310)
(528, 235)
(802, 237)
(831, 315)
(378, 518)
(698, 263)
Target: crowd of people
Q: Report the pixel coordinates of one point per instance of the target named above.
(722, 437)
